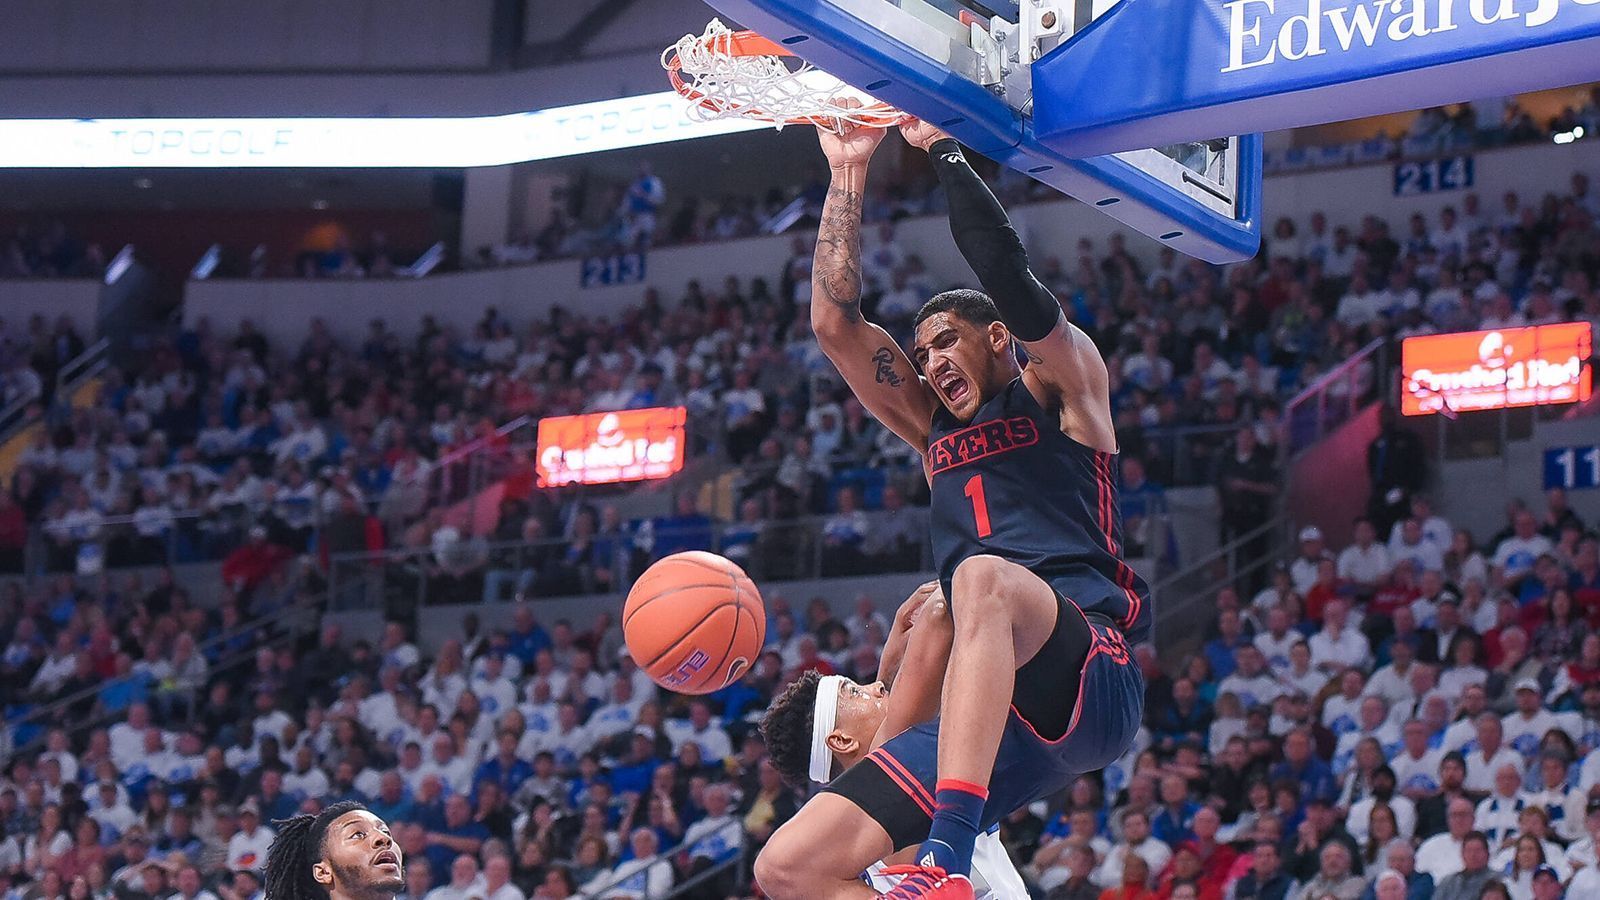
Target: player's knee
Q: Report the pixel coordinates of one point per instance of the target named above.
(978, 589)
(780, 871)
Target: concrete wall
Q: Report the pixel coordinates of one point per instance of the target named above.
(1472, 493)
(23, 298)
(437, 624)
(1328, 486)
(132, 36)
(1194, 513)
(1348, 194)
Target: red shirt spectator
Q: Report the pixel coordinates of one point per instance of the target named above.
(13, 524)
(1400, 590)
(255, 562)
(1187, 865)
(1327, 587)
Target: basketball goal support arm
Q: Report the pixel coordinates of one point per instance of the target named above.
(990, 244)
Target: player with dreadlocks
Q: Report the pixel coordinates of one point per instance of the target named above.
(342, 853)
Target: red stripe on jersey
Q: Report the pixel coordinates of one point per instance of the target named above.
(1124, 575)
(898, 774)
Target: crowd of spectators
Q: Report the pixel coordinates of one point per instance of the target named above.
(1412, 716)
(519, 762)
(1417, 708)
(329, 445)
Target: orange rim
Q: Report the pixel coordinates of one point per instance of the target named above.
(748, 43)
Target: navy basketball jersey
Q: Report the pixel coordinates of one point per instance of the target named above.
(1011, 484)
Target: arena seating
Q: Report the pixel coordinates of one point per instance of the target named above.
(213, 434)
(151, 740)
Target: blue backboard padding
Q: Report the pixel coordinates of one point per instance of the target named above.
(838, 43)
(1150, 72)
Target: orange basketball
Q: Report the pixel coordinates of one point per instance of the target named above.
(694, 622)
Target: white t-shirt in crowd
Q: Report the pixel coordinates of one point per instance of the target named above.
(249, 851)
(1524, 733)
(1440, 856)
(1349, 648)
(1368, 566)
(1516, 556)
(1412, 772)
(1480, 771)
(1259, 690)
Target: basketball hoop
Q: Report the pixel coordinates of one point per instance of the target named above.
(740, 74)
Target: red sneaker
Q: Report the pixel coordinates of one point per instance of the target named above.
(928, 882)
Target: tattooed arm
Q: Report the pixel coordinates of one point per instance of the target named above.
(874, 366)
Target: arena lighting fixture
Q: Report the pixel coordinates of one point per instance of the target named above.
(119, 265)
(431, 143)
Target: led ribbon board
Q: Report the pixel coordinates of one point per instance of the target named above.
(1150, 72)
(1479, 370)
(462, 142)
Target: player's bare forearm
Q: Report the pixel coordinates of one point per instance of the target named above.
(872, 364)
(919, 683)
(836, 268)
(894, 648)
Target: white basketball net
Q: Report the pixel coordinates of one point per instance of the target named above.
(723, 84)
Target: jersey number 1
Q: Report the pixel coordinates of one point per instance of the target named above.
(980, 505)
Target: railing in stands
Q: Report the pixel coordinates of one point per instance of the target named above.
(81, 368)
(56, 549)
(188, 536)
(75, 374)
(279, 627)
(1334, 399)
(1183, 599)
(470, 468)
(479, 571)
(85, 365)
(14, 415)
(473, 570)
(697, 881)
(703, 880)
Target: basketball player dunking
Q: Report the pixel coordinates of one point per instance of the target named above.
(1026, 532)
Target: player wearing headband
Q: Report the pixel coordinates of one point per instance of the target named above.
(824, 724)
(342, 853)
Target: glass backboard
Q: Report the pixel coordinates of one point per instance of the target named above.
(968, 66)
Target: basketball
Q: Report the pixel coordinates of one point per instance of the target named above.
(694, 622)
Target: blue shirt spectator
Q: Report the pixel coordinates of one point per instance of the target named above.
(1302, 767)
(686, 529)
(126, 690)
(528, 637)
(505, 769)
(1174, 824)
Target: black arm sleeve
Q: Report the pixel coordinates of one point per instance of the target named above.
(991, 247)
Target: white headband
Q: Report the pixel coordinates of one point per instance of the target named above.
(823, 717)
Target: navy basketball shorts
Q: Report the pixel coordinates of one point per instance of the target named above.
(894, 784)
